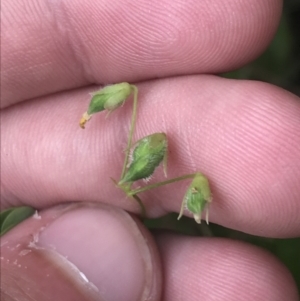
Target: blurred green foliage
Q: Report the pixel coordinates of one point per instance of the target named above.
(278, 65)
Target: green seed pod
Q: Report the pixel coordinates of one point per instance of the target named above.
(197, 197)
(149, 152)
(108, 98)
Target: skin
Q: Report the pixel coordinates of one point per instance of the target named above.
(243, 135)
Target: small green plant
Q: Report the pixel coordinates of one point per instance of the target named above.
(147, 154)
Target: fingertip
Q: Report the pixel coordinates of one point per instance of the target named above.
(98, 251)
(85, 42)
(222, 269)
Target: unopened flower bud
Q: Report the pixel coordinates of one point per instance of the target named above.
(149, 152)
(197, 197)
(108, 98)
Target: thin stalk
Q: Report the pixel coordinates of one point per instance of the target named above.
(152, 186)
(143, 213)
(127, 192)
(132, 125)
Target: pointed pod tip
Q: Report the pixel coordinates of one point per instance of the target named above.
(197, 218)
(84, 119)
(82, 122)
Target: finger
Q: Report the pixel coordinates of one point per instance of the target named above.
(57, 45)
(85, 252)
(243, 135)
(219, 269)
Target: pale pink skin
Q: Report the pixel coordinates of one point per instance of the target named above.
(243, 135)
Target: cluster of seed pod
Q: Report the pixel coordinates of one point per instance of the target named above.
(148, 153)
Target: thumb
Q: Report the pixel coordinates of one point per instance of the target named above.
(80, 252)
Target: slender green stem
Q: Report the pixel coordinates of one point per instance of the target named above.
(132, 125)
(127, 191)
(143, 213)
(152, 186)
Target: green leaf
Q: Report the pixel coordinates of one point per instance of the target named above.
(11, 217)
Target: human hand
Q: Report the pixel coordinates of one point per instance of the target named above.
(243, 135)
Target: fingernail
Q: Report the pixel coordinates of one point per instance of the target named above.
(108, 250)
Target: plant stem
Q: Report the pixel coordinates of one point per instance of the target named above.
(132, 125)
(152, 186)
(143, 213)
(127, 192)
